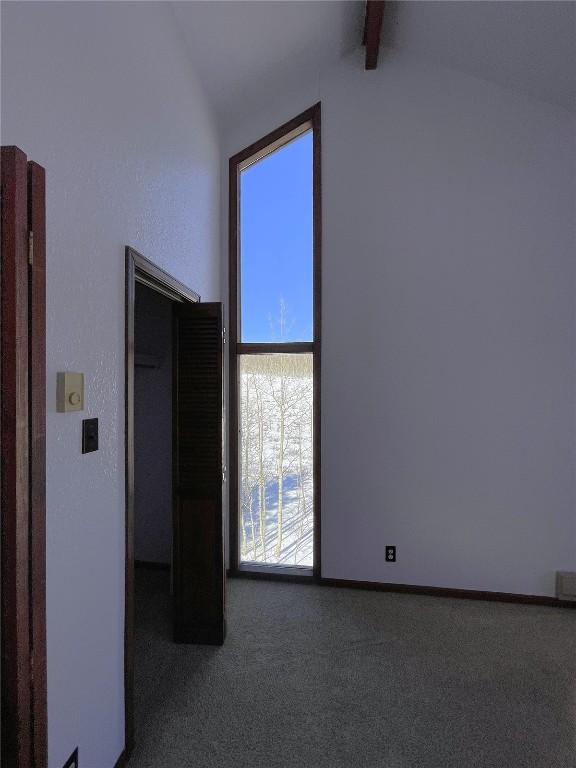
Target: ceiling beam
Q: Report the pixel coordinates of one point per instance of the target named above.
(372, 29)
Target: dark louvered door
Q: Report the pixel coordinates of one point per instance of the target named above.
(199, 575)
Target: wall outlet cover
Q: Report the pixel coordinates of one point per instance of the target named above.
(390, 554)
(566, 585)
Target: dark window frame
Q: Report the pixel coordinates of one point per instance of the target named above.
(310, 119)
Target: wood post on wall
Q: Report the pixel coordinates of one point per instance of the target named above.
(23, 461)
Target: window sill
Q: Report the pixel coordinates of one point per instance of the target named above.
(273, 572)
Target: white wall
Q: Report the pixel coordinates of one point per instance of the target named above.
(448, 297)
(152, 427)
(101, 94)
(448, 325)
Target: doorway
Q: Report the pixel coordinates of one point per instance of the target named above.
(152, 429)
(174, 526)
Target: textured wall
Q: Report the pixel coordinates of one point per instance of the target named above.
(153, 427)
(448, 325)
(102, 95)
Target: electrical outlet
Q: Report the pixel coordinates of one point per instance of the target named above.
(72, 761)
(566, 585)
(390, 554)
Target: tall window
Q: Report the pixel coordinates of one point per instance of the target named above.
(275, 348)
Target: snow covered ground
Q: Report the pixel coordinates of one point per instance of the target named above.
(276, 405)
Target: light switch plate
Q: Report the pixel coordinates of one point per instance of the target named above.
(89, 435)
(69, 392)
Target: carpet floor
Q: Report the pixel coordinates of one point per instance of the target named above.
(318, 677)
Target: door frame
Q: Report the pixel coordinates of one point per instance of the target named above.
(142, 270)
(23, 461)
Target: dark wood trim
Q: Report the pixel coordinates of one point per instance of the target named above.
(317, 289)
(136, 265)
(130, 301)
(37, 446)
(123, 759)
(282, 574)
(465, 594)
(372, 30)
(233, 287)
(270, 574)
(150, 565)
(236, 348)
(23, 470)
(275, 573)
(17, 748)
(72, 760)
(158, 278)
(253, 149)
(289, 348)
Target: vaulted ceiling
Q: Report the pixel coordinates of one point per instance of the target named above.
(242, 49)
(529, 46)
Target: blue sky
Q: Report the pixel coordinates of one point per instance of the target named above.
(276, 245)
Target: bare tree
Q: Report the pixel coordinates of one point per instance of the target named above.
(276, 448)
